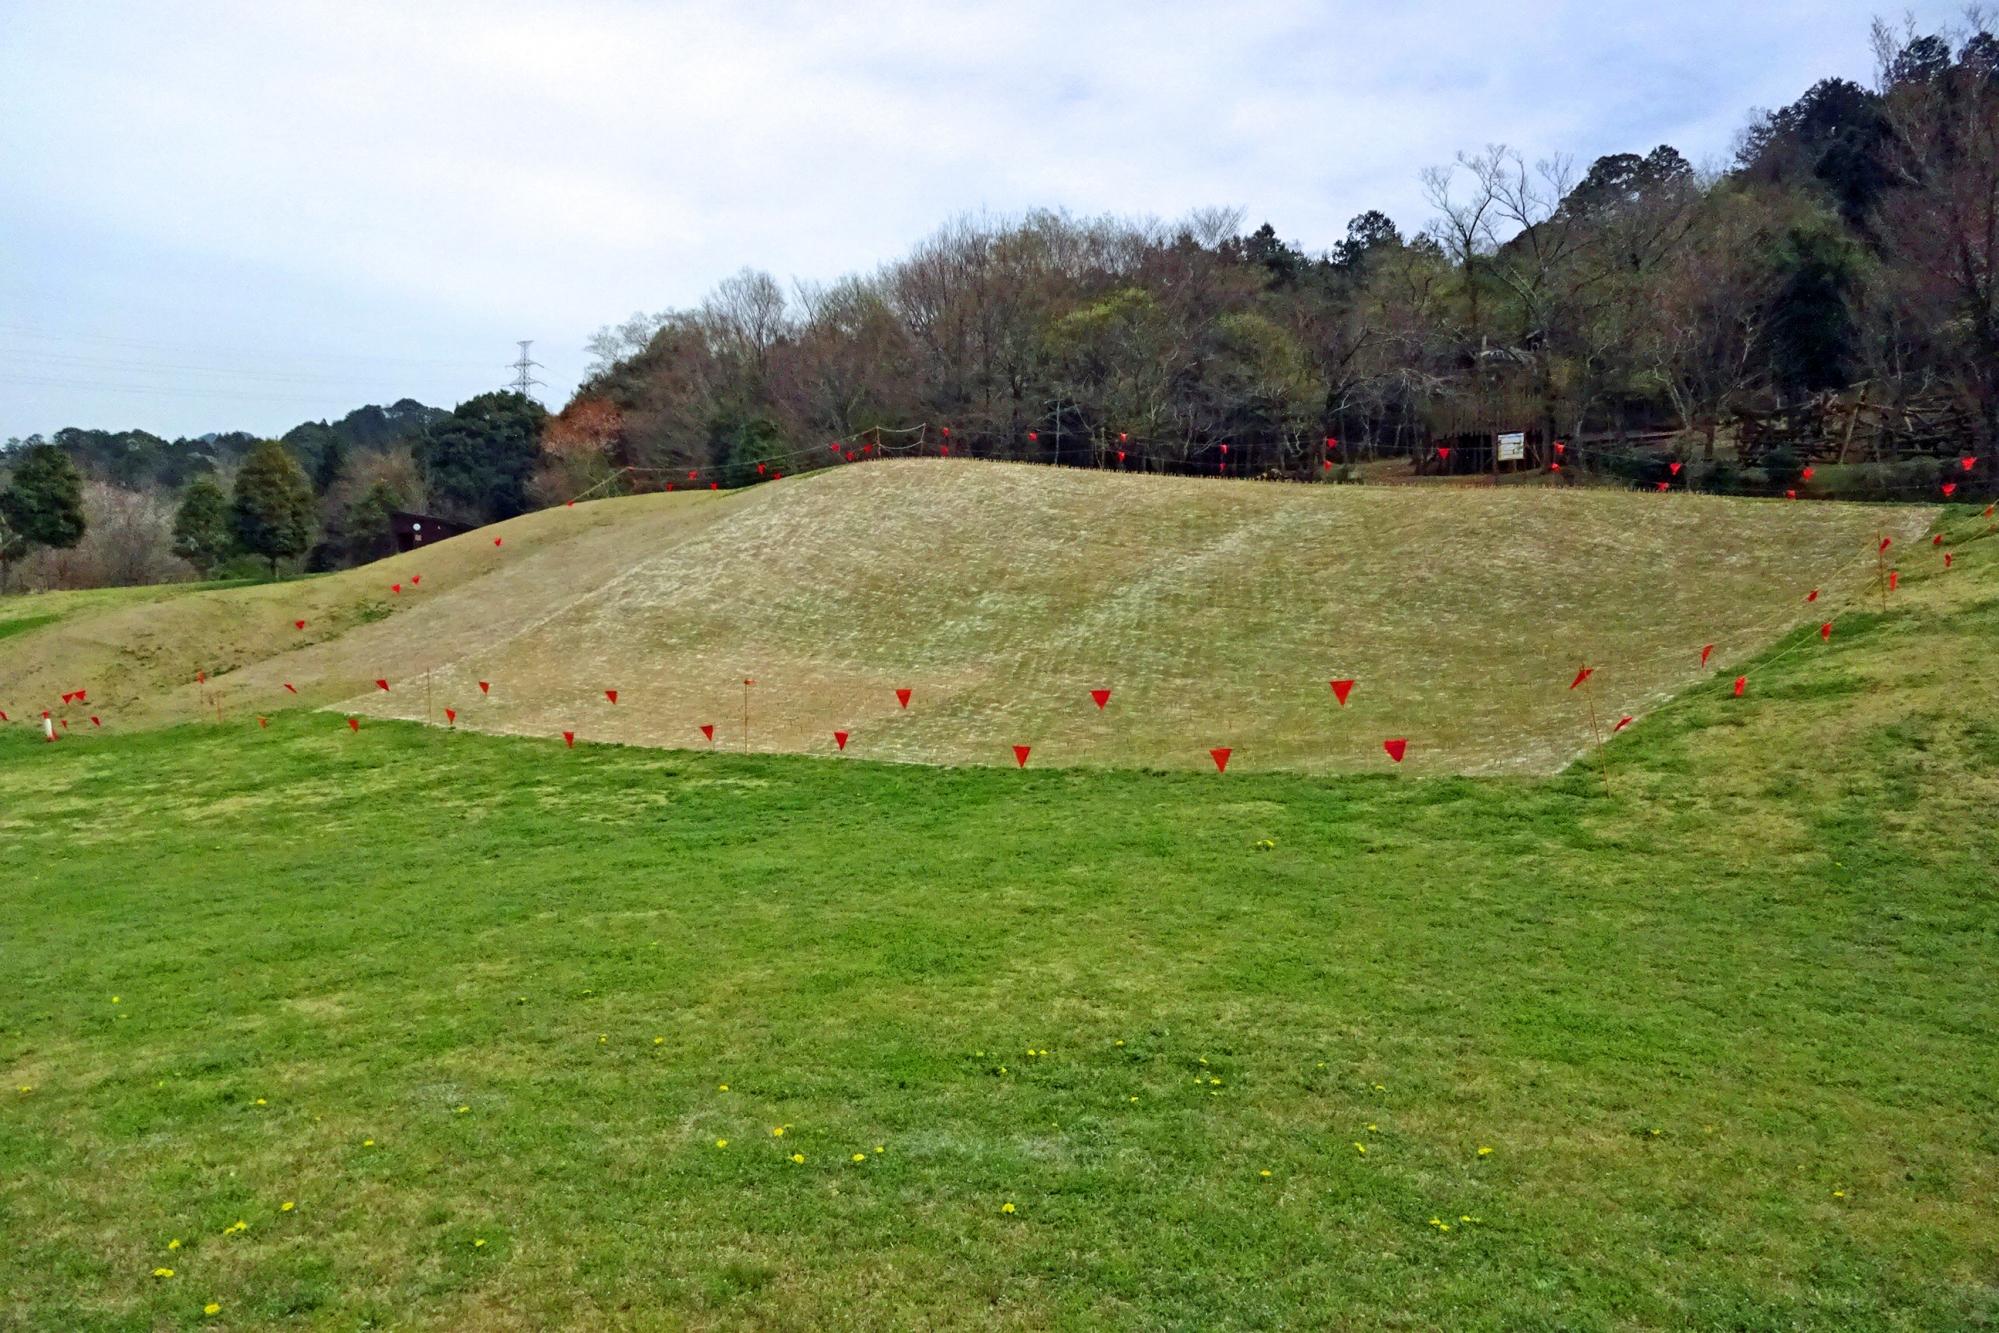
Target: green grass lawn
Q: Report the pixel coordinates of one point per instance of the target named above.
(483, 1008)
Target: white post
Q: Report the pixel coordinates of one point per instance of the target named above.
(48, 727)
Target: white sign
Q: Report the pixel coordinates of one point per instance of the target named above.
(1513, 446)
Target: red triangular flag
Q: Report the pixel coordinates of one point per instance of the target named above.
(1444, 453)
(353, 724)
(396, 588)
(1020, 755)
(67, 695)
(569, 504)
(569, 739)
(1966, 463)
(1825, 631)
(1812, 596)
(1560, 448)
(1396, 748)
(1221, 757)
(1790, 495)
(1341, 689)
(415, 579)
(1582, 676)
(1100, 698)
(298, 624)
(1806, 474)
(1886, 542)
(944, 450)
(840, 739)
(263, 722)
(760, 469)
(451, 715)
(290, 688)
(1706, 648)
(1937, 540)
(1741, 684)
(1674, 468)
(1120, 455)
(1894, 578)
(496, 541)
(1946, 559)
(612, 695)
(1949, 489)
(3, 716)
(902, 698)
(1554, 467)
(382, 685)
(1622, 723)
(94, 722)
(485, 687)
(1662, 487)
(708, 730)
(201, 677)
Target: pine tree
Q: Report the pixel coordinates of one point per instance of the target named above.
(273, 509)
(42, 505)
(202, 533)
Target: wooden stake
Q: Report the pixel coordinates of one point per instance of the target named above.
(1602, 756)
(1881, 567)
(747, 682)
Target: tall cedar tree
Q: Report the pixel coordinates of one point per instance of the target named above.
(202, 533)
(273, 508)
(477, 462)
(42, 505)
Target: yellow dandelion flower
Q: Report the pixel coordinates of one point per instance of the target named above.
(1264, 1174)
(1657, 1132)
(880, 1148)
(25, 1089)
(461, 1110)
(1373, 1129)
(1134, 1099)
(479, 1242)
(1484, 1151)
(1006, 1207)
(798, 1159)
(1360, 1148)
(721, 1087)
(114, 999)
(659, 1041)
(287, 1206)
(602, 1037)
(1217, 1082)
(1120, 1041)
(1443, 1226)
(721, 1143)
(367, 1143)
(1002, 1069)
(860, 1157)
(163, 1272)
(262, 1102)
(777, 1131)
(1464, 1217)
(1204, 1059)
(174, 1244)
(1839, 1194)
(1436, 1221)
(211, 1308)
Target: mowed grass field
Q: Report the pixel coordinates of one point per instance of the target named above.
(1217, 613)
(407, 1028)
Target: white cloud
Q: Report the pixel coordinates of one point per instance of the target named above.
(311, 182)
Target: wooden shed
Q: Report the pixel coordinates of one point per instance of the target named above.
(416, 531)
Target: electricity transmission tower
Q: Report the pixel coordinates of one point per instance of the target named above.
(524, 380)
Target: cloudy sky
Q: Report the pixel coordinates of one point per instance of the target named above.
(243, 216)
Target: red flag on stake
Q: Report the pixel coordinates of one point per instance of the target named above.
(944, 450)
(4, 717)
(1949, 489)
(1120, 455)
(760, 469)
(840, 739)
(396, 588)
(1812, 596)
(1020, 755)
(1444, 452)
(201, 678)
(1554, 467)
(94, 722)
(1341, 689)
(415, 579)
(1946, 559)
(612, 695)
(1100, 698)
(298, 624)
(1560, 448)
(569, 739)
(1582, 676)
(496, 541)
(451, 715)
(1894, 578)
(382, 685)
(1825, 632)
(485, 687)
(1221, 757)
(1937, 540)
(1966, 463)
(68, 695)
(263, 722)
(1886, 542)
(1122, 438)
(353, 724)
(569, 504)
(1674, 468)
(1034, 435)
(1663, 487)
(1706, 649)
(1806, 474)
(1741, 684)
(1396, 748)
(902, 698)
(290, 688)
(1790, 495)
(1327, 465)
(708, 730)
(1622, 723)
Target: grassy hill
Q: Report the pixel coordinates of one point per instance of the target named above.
(1216, 612)
(430, 1030)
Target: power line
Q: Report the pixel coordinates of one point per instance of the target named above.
(523, 369)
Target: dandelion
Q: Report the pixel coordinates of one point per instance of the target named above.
(1120, 1041)
(777, 1131)
(798, 1159)
(603, 1037)
(1134, 1099)
(212, 1308)
(238, 1225)
(659, 1041)
(163, 1272)
(1436, 1221)
(25, 1089)
(721, 1143)
(879, 1148)
(1839, 1194)
(1443, 1226)
(1264, 1174)
(860, 1157)
(1379, 1088)
(1374, 1129)
(367, 1143)
(1360, 1148)
(479, 1243)
(1006, 1207)
(262, 1102)
(721, 1087)
(1484, 1151)
(114, 999)
(1217, 1082)
(461, 1110)
(287, 1206)
(174, 1244)
(1204, 1059)
(1657, 1132)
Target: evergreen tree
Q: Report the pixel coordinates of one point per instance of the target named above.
(273, 509)
(42, 505)
(202, 532)
(477, 462)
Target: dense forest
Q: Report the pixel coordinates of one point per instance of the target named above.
(1820, 315)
